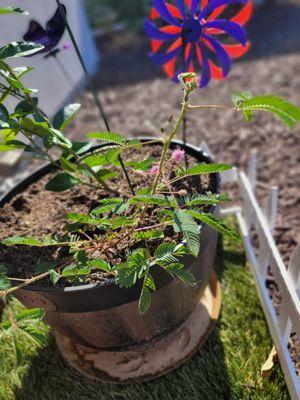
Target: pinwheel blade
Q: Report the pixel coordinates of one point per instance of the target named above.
(233, 29)
(162, 9)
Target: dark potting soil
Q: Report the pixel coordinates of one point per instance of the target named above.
(37, 212)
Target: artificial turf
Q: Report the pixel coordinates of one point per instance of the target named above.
(227, 367)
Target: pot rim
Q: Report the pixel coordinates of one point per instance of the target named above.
(45, 168)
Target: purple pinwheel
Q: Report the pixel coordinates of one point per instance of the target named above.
(186, 37)
(48, 37)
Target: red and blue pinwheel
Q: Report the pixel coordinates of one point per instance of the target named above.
(184, 37)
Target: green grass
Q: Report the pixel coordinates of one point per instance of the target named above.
(227, 367)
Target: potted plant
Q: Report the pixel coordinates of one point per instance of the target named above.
(115, 242)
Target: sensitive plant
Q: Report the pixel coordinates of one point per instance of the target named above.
(143, 219)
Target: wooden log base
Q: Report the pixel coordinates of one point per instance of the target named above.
(165, 355)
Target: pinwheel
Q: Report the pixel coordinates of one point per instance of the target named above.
(185, 36)
(48, 37)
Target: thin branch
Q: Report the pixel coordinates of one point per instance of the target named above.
(209, 106)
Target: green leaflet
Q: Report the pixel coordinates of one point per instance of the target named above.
(145, 297)
(26, 316)
(19, 49)
(99, 264)
(87, 220)
(65, 116)
(149, 234)
(12, 10)
(4, 282)
(28, 241)
(177, 270)
(62, 182)
(156, 199)
(54, 276)
(144, 300)
(185, 223)
(286, 111)
(208, 199)
(202, 169)
(215, 223)
(108, 137)
(164, 254)
(133, 269)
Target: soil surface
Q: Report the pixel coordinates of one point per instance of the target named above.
(39, 213)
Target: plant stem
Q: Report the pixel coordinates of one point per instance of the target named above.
(27, 282)
(169, 139)
(93, 90)
(208, 106)
(90, 170)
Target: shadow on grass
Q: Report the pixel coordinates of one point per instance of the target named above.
(204, 376)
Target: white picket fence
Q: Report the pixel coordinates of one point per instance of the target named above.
(252, 219)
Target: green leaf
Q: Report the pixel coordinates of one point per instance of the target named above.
(116, 205)
(20, 71)
(17, 349)
(18, 241)
(19, 49)
(149, 234)
(28, 316)
(54, 277)
(287, 112)
(108, 137)
(29, 241)
(238, 98)
(106, 174)
(67, 165)
(4, 282)
(62, 182)
(206, 199)
(75, 270)
(164, 253)
(144, 300)
(201, 169)
(4, 117)
(8, 134)
(26, 107)
(133, 269)
(99, 264)
(215, 223)
(44, 266)
(141, 165)
(34, 334)
(12, 10)
(185, 223)
(177, 270)
(60, 138)
(87, 220)
(120, 221)
(145, 297)
(7, 147)
(65, 116)
(156, 199)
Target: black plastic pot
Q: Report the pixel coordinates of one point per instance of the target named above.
(105, 316)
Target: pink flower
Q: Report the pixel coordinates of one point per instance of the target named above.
(178, 155)
(66, 46)
(154, 170)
